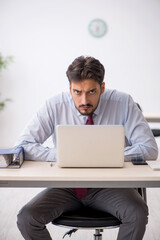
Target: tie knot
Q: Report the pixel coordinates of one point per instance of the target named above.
(89, 120)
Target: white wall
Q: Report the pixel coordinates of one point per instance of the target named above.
(44, 36)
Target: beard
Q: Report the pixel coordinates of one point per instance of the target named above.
(87, 109)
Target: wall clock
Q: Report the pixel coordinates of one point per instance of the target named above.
(97, 28)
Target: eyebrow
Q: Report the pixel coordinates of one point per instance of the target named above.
(74, 89)
(92, 89)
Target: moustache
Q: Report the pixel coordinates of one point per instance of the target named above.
(86, 105)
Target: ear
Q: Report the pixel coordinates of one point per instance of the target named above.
(70, 87)
(102, 87)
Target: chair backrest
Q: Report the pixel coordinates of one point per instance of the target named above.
(156, 132)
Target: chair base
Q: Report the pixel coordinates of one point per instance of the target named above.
(98, 235)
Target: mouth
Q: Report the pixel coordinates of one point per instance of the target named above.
(85, 107)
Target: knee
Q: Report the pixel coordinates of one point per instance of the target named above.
(142, 213)
(138, 213)
(25, 216)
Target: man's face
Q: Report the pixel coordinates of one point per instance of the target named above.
(86, 95)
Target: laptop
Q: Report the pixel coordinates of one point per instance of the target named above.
(90, 146)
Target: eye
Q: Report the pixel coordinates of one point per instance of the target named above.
(92, 91)
(77, 92)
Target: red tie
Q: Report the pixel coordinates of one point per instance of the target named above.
(81, 192)
(89, 120)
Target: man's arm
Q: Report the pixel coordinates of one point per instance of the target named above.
(39, 129)
(141, 142)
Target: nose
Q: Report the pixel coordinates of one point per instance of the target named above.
(84, 99)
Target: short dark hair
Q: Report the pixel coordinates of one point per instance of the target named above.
(85, 68)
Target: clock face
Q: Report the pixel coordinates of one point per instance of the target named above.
(97, 28)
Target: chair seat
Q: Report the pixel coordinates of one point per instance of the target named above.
(87, 218)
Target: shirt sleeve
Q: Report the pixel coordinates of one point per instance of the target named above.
(139, 137)
(37, 131)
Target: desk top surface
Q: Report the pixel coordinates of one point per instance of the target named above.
(150, 117)
(32, 173)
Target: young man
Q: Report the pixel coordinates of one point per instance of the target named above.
(87, 99)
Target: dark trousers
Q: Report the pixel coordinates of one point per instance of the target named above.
(126, 204)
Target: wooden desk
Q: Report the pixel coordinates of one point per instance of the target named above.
(152, 117)
(41, 174)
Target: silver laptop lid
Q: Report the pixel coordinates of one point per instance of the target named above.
(90, 146)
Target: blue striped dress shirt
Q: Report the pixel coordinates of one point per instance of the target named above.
(114, 108)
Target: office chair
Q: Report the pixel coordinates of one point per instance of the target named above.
(89, 219)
